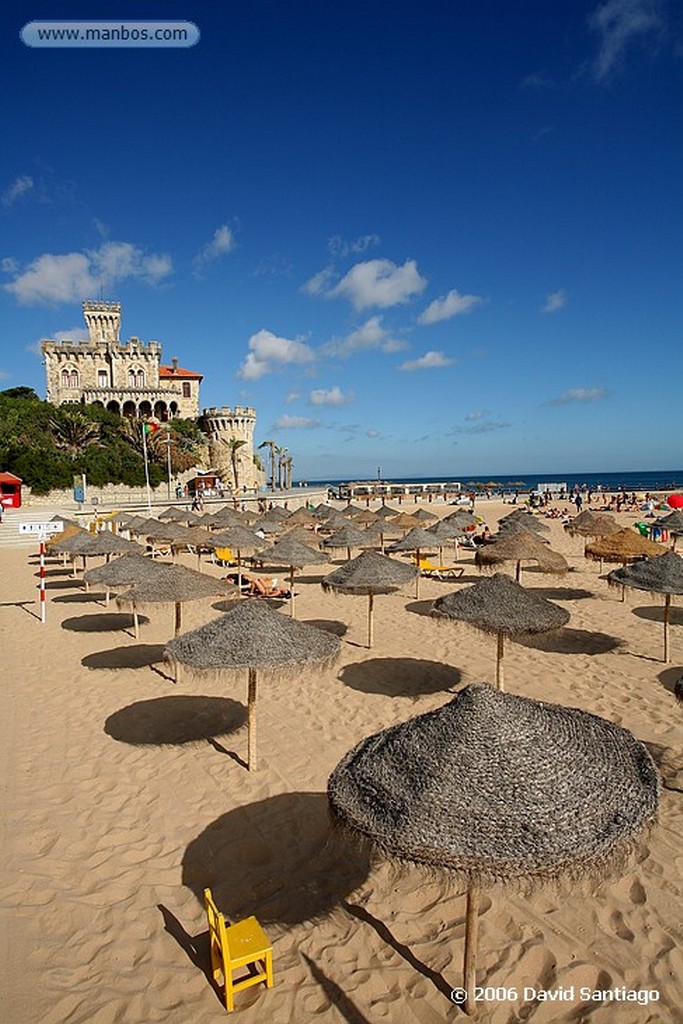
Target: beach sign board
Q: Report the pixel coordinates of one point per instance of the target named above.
(41, 528)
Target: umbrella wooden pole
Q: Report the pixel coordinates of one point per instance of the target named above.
(667, 604)
(251, 744)
(178, 617)
(471, 937)
(370, 604)
(518, 571)
(500, 681)
(136, 624)
(417, 578)
(292, 609)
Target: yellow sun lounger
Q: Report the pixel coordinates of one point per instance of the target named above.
(440, 572)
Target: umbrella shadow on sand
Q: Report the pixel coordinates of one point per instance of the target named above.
(567, 640)
(278, 858)
(670, 764)
(80, 598)
(562, 593)
(669, 677)
(400, 677)
(135, 656)
(175, 720)
(421, 608)
(109, 623)
(655, 613)
(330, 625)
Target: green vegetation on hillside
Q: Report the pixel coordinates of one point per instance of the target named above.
(46, 445)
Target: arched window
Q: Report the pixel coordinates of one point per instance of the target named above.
(140, 379)
(65, 378)
(102, 378)
(186, 389)
(131, 378)
(69, 379)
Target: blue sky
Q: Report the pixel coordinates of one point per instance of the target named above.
(441, 238)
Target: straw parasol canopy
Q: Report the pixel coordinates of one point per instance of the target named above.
(365, 517)
(351, 510)
(660, 575)
(97, 544)
(513, 524)
(124, 572)
(521, 547)
(347, 537)
(417, 539)
(493, 787)
(592, 524)
(176, 585)
(276, 514)
(291, 552)
(223, 518)
(623, 546)
(425, 516)
(370, 573)
(501, 606)
(405, 521)
(173, 514)
(254, 638)
(387, 512)
(461, 517)
(302, 517)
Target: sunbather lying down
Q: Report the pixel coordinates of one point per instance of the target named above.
(259, 586)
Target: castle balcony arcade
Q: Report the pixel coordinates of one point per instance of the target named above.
(135, 403)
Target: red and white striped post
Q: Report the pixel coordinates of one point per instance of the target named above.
(42, 581)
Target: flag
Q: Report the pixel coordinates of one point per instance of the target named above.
(150, 428)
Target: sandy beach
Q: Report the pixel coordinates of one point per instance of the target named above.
(125, 794)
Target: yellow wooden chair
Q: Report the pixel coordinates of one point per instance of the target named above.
(238, 945)
(223, 556)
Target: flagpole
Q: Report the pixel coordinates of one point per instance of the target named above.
(144, 449)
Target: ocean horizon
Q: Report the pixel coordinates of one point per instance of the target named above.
(636, 480)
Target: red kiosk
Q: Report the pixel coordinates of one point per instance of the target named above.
(10, 490)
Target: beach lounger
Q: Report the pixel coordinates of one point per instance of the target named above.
(440, 572)
(235, 946)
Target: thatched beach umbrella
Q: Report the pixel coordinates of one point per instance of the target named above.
(369, 574)
(623, 546)
(405, 521)
(443, 532)
(501, 606)
(291, 552)
(387, 512)
(349, 511)
(365, 517)
(495, 788)
(177, 585)
(592, 524)
(660, 575)
(425, 516)
(461, 517)
(276, 514)
(347, 537)
(417, 540)
(124, 572)
(254, 638)
(97, 544)
(521, 547)
(240, 540)
(173, 514)
(302, 517)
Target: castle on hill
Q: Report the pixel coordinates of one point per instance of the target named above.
(129, 379)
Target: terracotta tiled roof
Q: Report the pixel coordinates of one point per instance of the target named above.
(169, 371)
(9, 478)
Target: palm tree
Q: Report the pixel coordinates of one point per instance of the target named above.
(271, 447)
(288, 472)
(234, 445)
(281, 456)
(73, 433)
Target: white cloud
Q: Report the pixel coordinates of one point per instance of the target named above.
(19, 187)
(319, 283)
(74, 276)
(339, 247)
(450, 305)
(372, 433)
(619, 24)
(223, 242)
(477, 414)
(5, 375)
(379, 283)
(486, 427)
(9, 265)
(579, 395)
(430, 360)
(329, 396)
(292, 396)
(267, 352)
(556, 300)
(71, 334)
(370, 335)
(287, 422)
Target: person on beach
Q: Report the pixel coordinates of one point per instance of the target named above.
(578, 501)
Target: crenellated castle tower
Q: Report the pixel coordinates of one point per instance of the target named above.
(225, 425)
